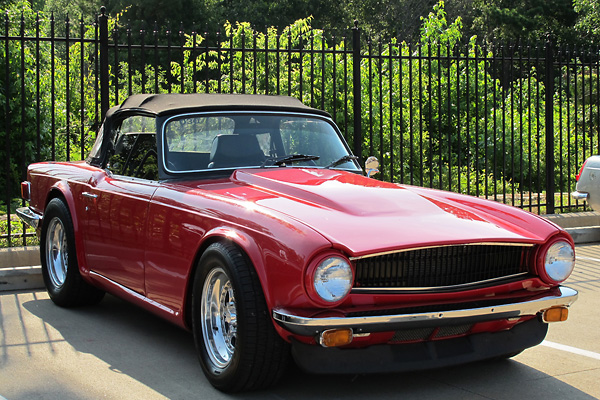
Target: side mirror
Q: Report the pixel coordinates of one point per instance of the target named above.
(371, 166)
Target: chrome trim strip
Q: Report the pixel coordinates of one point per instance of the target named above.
(134, 294)
(307, 326)
(30, 217)
(579, 195)
(385, 253)
(462, 286)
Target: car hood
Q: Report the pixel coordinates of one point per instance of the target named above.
(361, 215)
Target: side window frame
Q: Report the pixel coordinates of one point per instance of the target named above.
(143, 146)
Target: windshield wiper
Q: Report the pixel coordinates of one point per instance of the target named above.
(279, 161)
(342, 160)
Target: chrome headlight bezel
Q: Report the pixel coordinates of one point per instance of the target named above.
(329, 279)
(557, 261)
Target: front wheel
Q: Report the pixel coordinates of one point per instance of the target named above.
(237, 344)
(60, 269)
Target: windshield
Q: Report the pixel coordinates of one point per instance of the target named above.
(199, 142)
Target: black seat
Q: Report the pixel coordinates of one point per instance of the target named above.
(235, 151)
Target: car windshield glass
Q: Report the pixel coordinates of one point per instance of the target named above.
(199, 142)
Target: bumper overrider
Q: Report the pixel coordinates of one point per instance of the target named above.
(426, 354)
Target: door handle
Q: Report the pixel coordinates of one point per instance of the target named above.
(89, 195)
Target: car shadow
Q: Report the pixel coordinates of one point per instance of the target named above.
(162, 357)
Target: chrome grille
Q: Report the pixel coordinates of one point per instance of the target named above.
(442, 267)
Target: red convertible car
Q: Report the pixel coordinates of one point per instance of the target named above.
(247, 220)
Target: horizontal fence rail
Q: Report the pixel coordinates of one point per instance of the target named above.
(511, 123)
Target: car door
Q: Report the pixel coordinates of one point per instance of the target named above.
(117, 201)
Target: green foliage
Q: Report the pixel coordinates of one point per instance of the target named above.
(17, 228)
(470, 141)
(51, 95)
(443, 120)
(61, 9)
(18, 151)
(436, 114)
(500, 128)
(389, 18)
(525, 20)
(499, 19)
(588, 22)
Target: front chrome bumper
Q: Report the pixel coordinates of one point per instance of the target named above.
(532, 305)
(579, 195)
(30, 217)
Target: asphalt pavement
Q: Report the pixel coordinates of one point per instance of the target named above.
(118, 351)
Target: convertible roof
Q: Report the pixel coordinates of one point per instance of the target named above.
(162, 104)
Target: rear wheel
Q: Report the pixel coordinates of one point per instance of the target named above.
(60, 269)
(237, 344)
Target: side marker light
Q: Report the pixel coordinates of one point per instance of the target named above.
(335, 337)
(555, 314)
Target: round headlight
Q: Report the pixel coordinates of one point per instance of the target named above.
(559, 261)
(333, 279)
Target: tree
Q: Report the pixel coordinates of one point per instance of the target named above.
(86, 9)
(389, 18)
(525, 20)
(588, 20)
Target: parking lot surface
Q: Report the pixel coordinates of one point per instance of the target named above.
(117, 351)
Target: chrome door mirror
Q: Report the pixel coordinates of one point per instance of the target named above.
(371, 166)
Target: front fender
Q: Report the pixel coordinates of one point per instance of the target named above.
(182, 223)
(280, 268)
(62, 189)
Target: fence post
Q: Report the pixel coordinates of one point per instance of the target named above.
(7, 123)
(549, 110)
(103, 20)
(357, 90)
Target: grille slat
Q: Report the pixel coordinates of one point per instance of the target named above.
(443, 266)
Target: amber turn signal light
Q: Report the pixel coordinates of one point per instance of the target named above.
(556, 314)
(335, 337)
(26, 191)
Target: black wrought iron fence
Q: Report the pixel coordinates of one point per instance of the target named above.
(510, 123)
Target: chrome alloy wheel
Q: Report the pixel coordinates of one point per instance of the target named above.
(218, 318)
(57, 252)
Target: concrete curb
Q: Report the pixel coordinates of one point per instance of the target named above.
(584, 227)
(20, 269)
(19, 256)
(573, 220)
(20, 278)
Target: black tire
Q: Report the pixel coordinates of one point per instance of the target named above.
(239, 350)
(60, 269)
